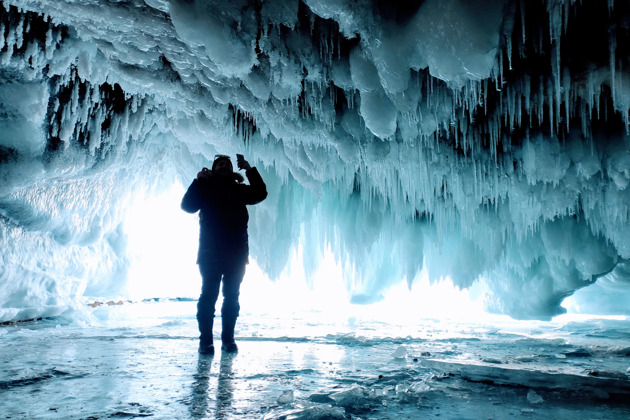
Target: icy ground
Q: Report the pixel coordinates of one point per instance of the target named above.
(140, 360)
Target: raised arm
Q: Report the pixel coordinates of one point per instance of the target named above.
(256, 191)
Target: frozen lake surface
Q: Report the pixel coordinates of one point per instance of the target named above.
(140, 360)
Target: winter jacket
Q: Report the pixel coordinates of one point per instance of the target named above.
(223, 216)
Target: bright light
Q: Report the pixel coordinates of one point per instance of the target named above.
(291, 293)
(163, 242)
(329, 296)
(162, 247)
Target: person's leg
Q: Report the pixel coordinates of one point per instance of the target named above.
(230, 309)
(211, 282)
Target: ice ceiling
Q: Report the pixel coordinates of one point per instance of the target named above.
(480, 140)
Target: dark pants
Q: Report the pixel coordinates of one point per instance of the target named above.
(212, 274)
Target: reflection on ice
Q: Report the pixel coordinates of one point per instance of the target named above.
(138, 360)
(201, 388)
(209, 393)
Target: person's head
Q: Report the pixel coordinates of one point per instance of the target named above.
(222, 165)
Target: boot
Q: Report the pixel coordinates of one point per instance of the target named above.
(206, 344)
(206, 347)
(227, 335)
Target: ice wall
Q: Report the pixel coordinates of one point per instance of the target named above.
(480, 140)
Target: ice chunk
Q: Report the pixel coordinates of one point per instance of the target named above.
(318, 412)
(534, 398)
(286, 397)
(354, 398)
(400, 353)
(452, 52)
(198, 24)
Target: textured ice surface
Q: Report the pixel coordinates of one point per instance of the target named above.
(481, 140)
(137, 360)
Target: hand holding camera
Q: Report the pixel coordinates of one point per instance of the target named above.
(242, 163)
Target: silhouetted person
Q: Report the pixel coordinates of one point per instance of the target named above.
(220, 196)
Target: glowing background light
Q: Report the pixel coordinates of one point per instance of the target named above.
(163, 244)
(162, 247)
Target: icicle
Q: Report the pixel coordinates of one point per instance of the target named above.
(624, 112)
(565, 24)
(523, 34)
(583, 117)
(85, 111)
(456, 134)
(555, 68)
(321, 46)
(541, 100)
(613, 47)
(134, 103)
(525, 93)
(331, 50)
(501, 95)
(19, 33)
(68, 122)
(54, 131)
(96, 95)
(10, 45)
(510, 107)
(485, 96)
(479, 94)
(509, 50)
(597, 102)
(74, 100)
(590, 90)
(567, 89)
(500, 72)
(49, 43)
(552, 117)
(430, 95)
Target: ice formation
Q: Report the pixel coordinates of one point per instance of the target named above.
(480, 140)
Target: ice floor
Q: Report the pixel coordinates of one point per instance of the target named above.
(140, 360)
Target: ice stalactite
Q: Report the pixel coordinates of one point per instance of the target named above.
(486, 132)
(65, 187)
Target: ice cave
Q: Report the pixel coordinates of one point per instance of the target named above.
(446, 231)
